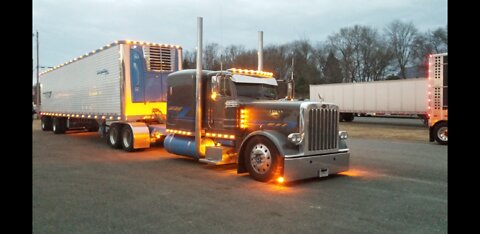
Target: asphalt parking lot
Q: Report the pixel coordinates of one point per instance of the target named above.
(80, 185)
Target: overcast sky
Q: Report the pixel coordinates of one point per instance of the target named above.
(70, 28)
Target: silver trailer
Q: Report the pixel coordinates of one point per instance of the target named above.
(395, 97)
(119, 89)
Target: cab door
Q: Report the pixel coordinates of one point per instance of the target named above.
(221, 114)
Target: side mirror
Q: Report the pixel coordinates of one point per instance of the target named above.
(214, 87)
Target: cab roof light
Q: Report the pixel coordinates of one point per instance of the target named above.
(251, 72)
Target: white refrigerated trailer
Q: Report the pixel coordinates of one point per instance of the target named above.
(393, 97)
(425, 97)
(119, 89)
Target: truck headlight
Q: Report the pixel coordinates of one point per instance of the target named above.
(343, 135)
(295, 138)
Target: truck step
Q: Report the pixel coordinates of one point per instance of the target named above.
(214, 162)
(219, 155)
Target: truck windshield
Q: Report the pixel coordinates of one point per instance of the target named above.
(257, 91)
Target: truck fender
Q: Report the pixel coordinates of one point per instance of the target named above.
(275, 137)
(141, 135)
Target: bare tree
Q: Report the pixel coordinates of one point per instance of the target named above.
(401, 37)
(211, 56)
(188, 59)
(439, 40)
(276, 60)
(374, 53)
(230, 54)
(332, 71)
(346, 44)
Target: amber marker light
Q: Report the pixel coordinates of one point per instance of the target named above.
(280, 180)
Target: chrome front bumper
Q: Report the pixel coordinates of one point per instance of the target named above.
(313, 166)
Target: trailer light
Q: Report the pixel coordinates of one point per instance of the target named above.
(214, 134)
(232, 137)
(189, 133)
(219, 135)
(208, 134)
(111, 117)
(95, 116)
(77, 116)
(119, 118)
(89, 116)
(343, 135)
(83, 116)
(280, 180)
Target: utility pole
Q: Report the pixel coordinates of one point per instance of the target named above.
(37, 90)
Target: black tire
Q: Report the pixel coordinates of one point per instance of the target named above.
(127, 138)
(113, 136)
(348, 117)
(59, 125)
(261, 159)
(440, 133)
(46, 123)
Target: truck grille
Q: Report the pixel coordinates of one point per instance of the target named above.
(159, 58)
(322, 129)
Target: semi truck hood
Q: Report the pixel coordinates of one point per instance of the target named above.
(279, 115)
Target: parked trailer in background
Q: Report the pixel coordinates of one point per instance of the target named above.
(119, 89)
(424, 97)
(395, 97)
(438, 97)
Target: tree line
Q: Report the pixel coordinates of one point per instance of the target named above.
(353, 54)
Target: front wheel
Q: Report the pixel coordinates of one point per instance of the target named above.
(441, 133)
(261, 159)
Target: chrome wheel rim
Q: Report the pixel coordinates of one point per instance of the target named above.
(113, 135)
(443, 133)
(260, 158)
(126, 138)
